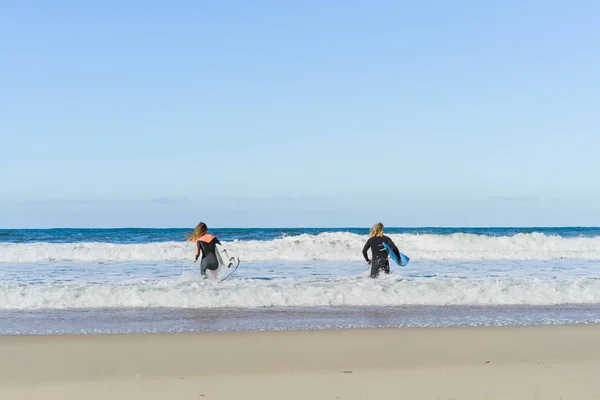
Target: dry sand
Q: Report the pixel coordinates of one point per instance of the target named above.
(560, 362)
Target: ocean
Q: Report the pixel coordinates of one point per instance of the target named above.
(84, 281)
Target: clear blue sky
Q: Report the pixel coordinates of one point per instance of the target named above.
(320, 113)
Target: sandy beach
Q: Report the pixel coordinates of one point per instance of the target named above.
(554, 362)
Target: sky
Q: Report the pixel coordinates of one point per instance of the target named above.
(307, 113)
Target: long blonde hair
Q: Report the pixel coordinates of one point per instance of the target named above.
(376, 230)
(200, 230)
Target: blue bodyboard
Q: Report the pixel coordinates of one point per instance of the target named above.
(403, 258)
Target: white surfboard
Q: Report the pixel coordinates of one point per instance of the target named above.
(228, 263)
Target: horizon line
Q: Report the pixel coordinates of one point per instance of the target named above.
(328, 227)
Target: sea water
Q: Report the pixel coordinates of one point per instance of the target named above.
(144, 280)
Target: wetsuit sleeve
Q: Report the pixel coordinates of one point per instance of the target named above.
(367, 246)
(393, 246)
(198, 250)
(217, 241)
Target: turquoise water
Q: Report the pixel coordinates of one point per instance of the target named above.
(147, 235)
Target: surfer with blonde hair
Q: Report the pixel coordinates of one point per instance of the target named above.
(205, 244)
(379, 254)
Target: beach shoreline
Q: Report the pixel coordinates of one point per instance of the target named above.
(182, 320)
(445, 363)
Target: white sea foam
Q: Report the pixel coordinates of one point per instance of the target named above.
(390, 291)
(341, 246)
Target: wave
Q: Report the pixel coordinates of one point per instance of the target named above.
(389, 291)
(339, 246)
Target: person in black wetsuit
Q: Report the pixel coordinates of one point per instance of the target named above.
(205, 244)
(379, 254)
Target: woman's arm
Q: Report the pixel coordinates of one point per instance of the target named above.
(364, 252)
(198, 250)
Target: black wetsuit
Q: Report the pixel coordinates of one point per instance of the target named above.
(380, 256)
(206, 245)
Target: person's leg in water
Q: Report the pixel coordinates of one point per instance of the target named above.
(377, 266)
(209, 262)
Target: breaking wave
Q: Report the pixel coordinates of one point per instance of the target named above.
(339, 246)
